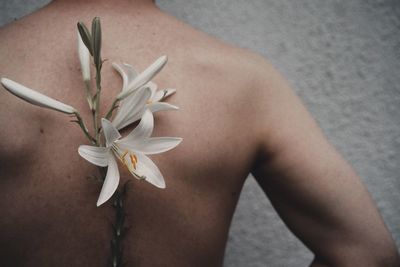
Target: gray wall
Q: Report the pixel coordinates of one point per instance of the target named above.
(343, 58)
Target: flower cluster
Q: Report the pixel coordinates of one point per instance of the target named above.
(138, 100)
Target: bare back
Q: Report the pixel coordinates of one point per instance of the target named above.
(237, 115)
(49, 214)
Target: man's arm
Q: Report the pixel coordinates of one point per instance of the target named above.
(315, 191)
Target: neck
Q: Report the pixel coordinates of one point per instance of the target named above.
(104, 4)
(87, 9)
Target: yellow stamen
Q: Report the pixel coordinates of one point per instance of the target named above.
(133, 160)
(122, 157)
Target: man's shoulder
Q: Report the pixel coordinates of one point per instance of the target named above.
(244, 72)
(230, 59)
(239, 70)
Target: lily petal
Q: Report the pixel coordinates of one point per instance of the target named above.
(35, 98)
(110, 182)
(154, 145)
(146, 167)
(141, 132)
(153, 87)
(96, 155)
(110, 132)
(159, 106)
(144, 77)
(127, 73)
(84, 59)
(161, 94)
(131, 108)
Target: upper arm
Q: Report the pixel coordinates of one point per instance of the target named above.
(315, 191)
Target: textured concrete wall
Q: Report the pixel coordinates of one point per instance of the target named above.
(343, 58)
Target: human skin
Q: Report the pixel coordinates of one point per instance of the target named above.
(237, 116)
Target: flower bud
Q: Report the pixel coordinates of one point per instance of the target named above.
(96, 40)
(86, 36)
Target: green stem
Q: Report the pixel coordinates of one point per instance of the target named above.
(84, 128)
(88, 94)
(97, 105)
(118, 227)
(112, 108)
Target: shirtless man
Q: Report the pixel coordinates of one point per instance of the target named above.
(237, 115)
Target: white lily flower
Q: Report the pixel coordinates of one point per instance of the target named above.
(154, 103)
(143, 78)
(131, 151)
(127, 114)
(84, 59)
(36, 98)
(131, 108)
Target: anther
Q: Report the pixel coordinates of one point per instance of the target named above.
(133, 160)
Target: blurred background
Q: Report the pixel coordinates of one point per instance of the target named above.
(343, 59)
